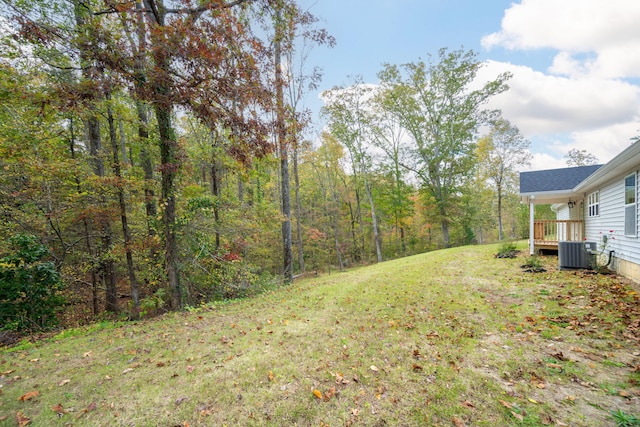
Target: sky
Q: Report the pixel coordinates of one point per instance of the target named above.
(575, 63)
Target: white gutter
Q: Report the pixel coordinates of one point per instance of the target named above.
(623, 163)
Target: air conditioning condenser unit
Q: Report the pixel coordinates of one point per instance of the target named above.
(576, 255)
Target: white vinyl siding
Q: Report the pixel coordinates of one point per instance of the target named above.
(611, 221)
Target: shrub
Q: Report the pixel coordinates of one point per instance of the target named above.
(507, 250)
(29, 286)
(533, 265)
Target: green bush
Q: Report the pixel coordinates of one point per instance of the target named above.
(507, 250)
(29, 286)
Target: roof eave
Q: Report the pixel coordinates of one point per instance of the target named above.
(549, 197)
(624, 161)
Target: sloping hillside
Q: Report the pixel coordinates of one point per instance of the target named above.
(453, 337)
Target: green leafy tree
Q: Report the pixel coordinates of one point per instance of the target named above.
(441, 110)
(500, 153)
(575, 157)
(349, 121)
(29, 286)
(389, 136)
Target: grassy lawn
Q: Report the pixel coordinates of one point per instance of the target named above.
(449, 338)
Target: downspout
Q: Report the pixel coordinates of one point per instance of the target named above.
(531, 218)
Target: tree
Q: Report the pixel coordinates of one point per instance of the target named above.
(203, 58)
(575, 157)
(389, 136)
(349, 123)
(441, 112)
(328, 173)
(29, 286)
(288, 22)
(500, 153)
(281, 137)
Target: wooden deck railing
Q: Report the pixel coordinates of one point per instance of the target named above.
(547, 233)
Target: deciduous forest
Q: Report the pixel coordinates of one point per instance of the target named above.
(155, 155)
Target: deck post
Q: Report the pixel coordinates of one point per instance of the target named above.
(531, 227)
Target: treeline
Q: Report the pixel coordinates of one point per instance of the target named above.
(152, 156)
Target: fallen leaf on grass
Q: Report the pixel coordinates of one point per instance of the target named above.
(271, 376)
(560, 356)
(58, 409)
(506, 404)
(22, 420)
(317, 394)
(554, 366)
(519, 417)
(92, 407)
(341, 380)
(458, 422)
(329, 394)
(468, 404)
(63, 382)
(374, 368)
(190, 368)
(126, 371)
(29, 396)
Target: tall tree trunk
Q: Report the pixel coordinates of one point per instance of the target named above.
(362, 250)
(107, 266)
(500, 234)
(281, 135)
(92, 124)
(298, 210)
(147, 166)
(334, 226)
(374, 221)
(85, 225)
(215, 190)
(126, 232)
(445, 232)
(123, 143)
(169, 161)
(240, 189)
(169, 166)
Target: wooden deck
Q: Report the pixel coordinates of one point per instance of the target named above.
(547, 233)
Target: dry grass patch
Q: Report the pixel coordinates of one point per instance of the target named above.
(454, 337)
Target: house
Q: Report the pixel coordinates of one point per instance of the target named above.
(592, 203)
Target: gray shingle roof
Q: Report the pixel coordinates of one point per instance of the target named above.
(554, 179)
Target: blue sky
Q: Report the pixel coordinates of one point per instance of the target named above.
(576, 63)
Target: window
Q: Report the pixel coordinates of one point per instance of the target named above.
(630, 211)
(593, 204)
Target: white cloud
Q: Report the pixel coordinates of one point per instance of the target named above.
(539, 103)
(604, 143)
(558, 113)
(543, 161)
(582, 100)
(607, 29)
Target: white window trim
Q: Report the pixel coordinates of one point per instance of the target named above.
(593, 204)
(629, 205)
